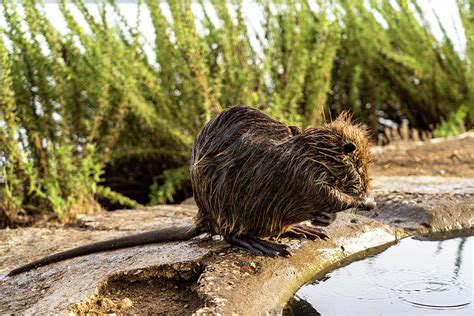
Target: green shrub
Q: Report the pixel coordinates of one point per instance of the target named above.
(453, 125)
(73, 104)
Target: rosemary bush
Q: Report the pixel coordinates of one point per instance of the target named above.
(76, 103)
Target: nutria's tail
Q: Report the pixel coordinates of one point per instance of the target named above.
(159, 235)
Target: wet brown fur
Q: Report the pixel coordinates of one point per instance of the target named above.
(255, 176)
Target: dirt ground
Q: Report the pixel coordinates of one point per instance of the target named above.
(437, 157)
(157, 296)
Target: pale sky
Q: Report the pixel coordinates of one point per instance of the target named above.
(449, 15)
(446, 10)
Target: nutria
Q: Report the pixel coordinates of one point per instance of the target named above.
(254, 177)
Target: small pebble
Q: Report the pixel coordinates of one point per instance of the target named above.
(246, 269)
(126, 302)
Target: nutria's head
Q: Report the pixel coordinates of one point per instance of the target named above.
(341, 149)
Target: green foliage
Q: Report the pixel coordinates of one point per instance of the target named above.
(173, 180)
(454, 125)
(116, 198)
(390, 61)
(63, 110)
(466, 11)
(72, 104)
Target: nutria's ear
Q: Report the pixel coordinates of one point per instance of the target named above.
(295, 130)
(344, 116)
(348, 148)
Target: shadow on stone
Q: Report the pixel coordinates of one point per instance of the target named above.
(400, 214)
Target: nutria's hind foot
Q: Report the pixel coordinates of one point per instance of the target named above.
(259, 247)
(305, 231)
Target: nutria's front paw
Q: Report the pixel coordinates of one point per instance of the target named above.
(368, 204)
(305, 231)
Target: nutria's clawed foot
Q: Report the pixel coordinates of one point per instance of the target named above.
(305, 231)
(259, 247)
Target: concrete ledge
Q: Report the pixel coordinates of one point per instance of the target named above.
(204, 276)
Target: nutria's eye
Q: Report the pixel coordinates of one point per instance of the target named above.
(348, 148)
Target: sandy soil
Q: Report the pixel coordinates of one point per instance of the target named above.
(437, 157)
(160, 296)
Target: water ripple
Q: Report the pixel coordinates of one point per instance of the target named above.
(413, 277)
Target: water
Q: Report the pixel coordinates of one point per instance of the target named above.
(415, 277)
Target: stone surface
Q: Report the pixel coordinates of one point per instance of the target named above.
(205, 275)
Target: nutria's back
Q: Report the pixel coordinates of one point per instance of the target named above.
(234, 126)
(255, 176)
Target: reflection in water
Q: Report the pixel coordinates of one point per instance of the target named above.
(413, 277)
(297, 306)
(459, 256)
(439, 247)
